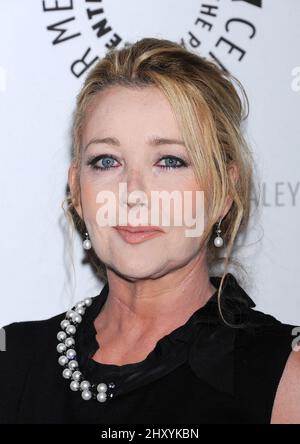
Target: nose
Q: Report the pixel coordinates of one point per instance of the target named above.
(136, 188)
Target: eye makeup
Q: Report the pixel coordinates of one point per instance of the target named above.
(93, 161)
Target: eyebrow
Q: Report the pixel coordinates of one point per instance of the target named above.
(153, 141)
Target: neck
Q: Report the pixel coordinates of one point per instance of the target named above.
(154, 306)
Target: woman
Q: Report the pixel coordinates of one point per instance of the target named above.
(165, 341)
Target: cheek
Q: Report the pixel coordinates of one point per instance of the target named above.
(101, 208)
(89, 192)
(194, 204)
(91, 186)
(185, 208)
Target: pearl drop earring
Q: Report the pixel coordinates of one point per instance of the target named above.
(218, 240)
(87, 245)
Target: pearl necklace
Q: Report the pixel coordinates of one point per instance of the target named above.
(66, 348)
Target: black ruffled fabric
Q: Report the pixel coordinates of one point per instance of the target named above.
(204, 340)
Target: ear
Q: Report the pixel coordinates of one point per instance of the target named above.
(72, 173)
(233, 175)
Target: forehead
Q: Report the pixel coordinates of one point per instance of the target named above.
(127, 109)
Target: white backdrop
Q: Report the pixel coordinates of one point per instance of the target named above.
(40, 41)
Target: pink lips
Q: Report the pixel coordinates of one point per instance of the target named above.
(135, 235)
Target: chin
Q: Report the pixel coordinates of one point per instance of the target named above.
(137, 270)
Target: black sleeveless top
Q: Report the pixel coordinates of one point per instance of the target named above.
(203, 372)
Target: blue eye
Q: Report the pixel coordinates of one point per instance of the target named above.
(172, 162)
(108, 160)
(107, 163)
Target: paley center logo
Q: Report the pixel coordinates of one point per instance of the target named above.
(223, 30)
(164, 209)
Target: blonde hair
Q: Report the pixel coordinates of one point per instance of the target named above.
(209, 112)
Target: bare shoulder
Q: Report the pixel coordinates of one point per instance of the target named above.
(286, 408)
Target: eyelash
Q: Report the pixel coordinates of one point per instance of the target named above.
(93, 160)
